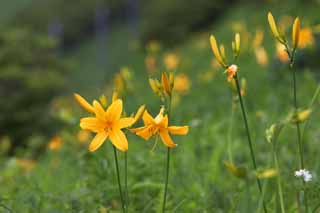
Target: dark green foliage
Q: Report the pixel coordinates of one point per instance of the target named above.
(31, 74)
(171, 20)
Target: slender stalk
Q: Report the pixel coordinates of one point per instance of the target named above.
(295, 104)
(118, 177)
(167, 164)
(275, 158)
(253, 158)
(126, 180)
(166, 181)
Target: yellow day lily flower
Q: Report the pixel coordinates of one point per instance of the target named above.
(106, 123)
(159, 125)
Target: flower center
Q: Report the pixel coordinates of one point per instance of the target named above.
(108, 126)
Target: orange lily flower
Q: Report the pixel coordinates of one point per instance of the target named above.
(106, 123)
(159, 125)
(231, 71)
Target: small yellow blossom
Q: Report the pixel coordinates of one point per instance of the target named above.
(231, 71)
(182, 83)
(171, 61)
(150, 63)
(159, 126)
(258, 39)
(107, 124)
(306, 38)
(55, 143)
(281, 53)
(119, 82)
(153, 46)
(261, 56)
(83, 136)
(26, 164)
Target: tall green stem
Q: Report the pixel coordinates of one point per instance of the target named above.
(275, 158)
(166, 181)
(295, 104)
(118, 177)
(253, 158)
(167, 164)
(126, 180)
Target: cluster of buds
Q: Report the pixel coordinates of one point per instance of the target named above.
(163, 89)
(279, 35)
(220, 54)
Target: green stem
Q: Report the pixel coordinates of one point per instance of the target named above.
(295, 104)
(118, 176)
(167, 163)
(166, 181)
(126, 180)
(249, 137)
(275, 158)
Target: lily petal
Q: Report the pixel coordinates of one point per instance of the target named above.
(97, 141)
(147, 118)
(83, 103)
(99, 111)
(125, 122)
(166, 139)
(119, 139)
(145, 132)
(114, 110)
(178, 130)
(92, 124)
(164, 121)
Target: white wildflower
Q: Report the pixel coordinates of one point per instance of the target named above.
(305, 174)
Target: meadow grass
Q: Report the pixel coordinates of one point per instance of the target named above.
(72, 179)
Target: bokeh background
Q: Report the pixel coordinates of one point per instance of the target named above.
(50, 49)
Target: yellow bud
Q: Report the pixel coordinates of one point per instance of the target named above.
(295, 33)
(301, 116)
(233, 47)
(103, 100)
(139, 113)
(237, 43)
(243, 86)
(165, 84)
(171, 80)
(268, 173)
(83, 103)
(238, 172)
(274, 28)
(153, 85)
(223, 53)
(273, 25)
(215, 51)
(114, 96)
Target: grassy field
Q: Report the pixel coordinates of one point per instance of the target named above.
(72, 179)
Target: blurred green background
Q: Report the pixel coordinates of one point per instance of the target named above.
(50, 49)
